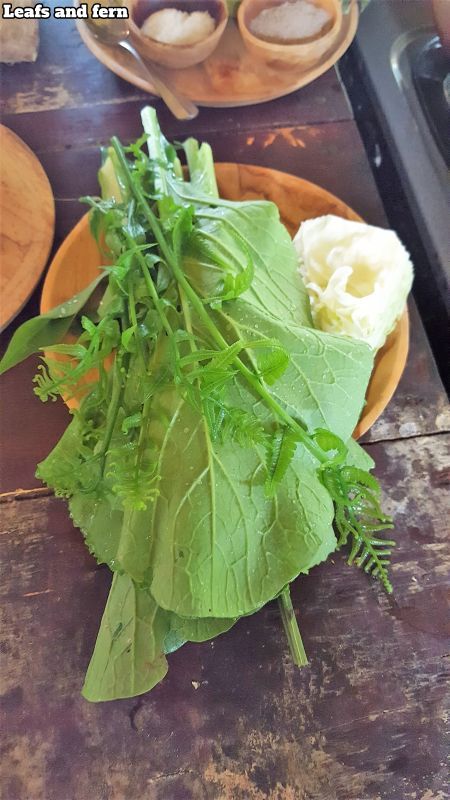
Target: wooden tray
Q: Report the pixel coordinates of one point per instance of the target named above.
(229, 77)
(77, 260)
(27, 223)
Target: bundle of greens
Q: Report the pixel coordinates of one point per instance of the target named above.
(209, 461)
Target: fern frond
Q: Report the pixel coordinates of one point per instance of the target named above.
(280, 452)
(273, 363)
(62, 377)
(242, 427)
(229, 423)
(233, 285)
(134, 475)
(358, 515)
(372, 555)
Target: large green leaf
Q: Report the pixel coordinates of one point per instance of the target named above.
(221, 548)
(326, 379)
(129, 654)
(47, 329)
(211, 533)
(128, 657)
(231, 237)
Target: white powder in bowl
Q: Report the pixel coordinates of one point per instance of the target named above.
(171, 26)
(290, 21)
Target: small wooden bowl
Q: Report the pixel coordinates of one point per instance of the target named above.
(77, 262)
(176, 56)
(304, 52)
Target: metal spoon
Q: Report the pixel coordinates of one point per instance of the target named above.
(116, 33)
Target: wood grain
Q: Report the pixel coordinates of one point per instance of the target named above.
(234, 720)
(19, 39)
(27, 220)
(420, 404)
(67, 76)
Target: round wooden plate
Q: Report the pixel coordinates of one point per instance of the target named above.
(27, 223)
(77, 261)
(230, 76)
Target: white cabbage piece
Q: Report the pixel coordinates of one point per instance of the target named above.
(357, 276)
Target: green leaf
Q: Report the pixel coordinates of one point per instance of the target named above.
(128, 657)
(373, 555)
(233, 286)
(357, 457)
(221, 548)
(71, 466)
(239, 233)
(326, 379)
(127, 339)
(47, 329)
(117, 537)
(358, 513)
(134, 636)
(233, 424)
(238, 284)
(184, 630)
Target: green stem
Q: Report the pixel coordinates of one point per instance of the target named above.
(151, 287)
(187, 318)
(151, 127)
(291, 628)
(113, 410)
(134, 321)
(201, 167)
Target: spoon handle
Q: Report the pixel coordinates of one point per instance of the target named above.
(180, 106)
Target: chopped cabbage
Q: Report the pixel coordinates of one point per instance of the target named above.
(357, 276)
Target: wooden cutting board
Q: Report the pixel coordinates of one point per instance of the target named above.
(27, 223)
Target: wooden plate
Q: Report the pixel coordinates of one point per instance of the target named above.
(77, 261)
(229, 77)
(27, 223)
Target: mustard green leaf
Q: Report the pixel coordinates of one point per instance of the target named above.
(47, 329)
(128, 657)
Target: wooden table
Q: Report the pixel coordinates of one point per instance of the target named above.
(233, 720)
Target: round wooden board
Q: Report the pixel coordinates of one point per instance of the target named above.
(230, 76)
(77, 261)
(27, 223)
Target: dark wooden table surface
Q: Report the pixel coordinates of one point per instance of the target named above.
(233, 720)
